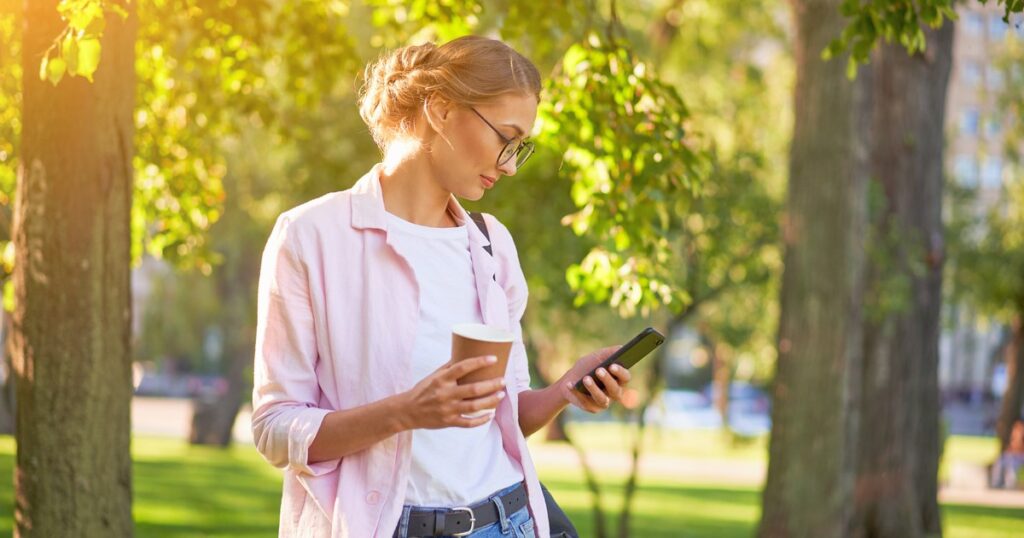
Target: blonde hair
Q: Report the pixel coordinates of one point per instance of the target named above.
(467, 71)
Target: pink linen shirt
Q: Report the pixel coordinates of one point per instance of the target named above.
(336, 321)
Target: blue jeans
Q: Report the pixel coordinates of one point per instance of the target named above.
(516, 525)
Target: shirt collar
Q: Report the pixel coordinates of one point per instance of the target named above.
(368, 207)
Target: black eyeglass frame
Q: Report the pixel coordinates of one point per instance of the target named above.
(524, 145)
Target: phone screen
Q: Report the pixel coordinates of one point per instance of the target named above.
(628, 355)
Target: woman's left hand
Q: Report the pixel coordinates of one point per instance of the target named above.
(596, 400)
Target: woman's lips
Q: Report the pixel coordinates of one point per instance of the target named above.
(487, 181)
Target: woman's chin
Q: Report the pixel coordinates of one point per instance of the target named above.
(472, 195)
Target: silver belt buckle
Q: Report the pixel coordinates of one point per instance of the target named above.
(472, 520)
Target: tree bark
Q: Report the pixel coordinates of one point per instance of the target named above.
(235, 280)
(72, 319)
(722, 379)
(810, 470)
(654, 381)
(898, 455)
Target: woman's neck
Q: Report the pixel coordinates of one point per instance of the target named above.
(412, 193)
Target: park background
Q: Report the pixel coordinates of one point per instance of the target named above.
(821, 203)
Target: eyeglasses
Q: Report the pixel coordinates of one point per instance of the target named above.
(520, 151)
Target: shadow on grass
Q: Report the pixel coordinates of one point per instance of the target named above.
(186, 491)
(207, 494)
(197, 491)
(660, 510)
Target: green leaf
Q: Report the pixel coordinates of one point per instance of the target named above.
(55, 70)
(9, 299)
(69, 51)
(42, 67)
(88, 57)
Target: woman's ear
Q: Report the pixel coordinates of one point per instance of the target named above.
(437, 111)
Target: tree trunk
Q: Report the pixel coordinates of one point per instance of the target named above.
(898, 455)
(555, 432)
(810, 470)
(213, 417)
(236, 280)
(590, 478)
(722, 380)
(654, 381)
(1013, 397)
(72, 319)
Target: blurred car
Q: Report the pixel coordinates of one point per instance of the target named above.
(749, 409)
(152, 383)
(683, 409)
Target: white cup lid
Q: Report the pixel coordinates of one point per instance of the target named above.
(479, 331)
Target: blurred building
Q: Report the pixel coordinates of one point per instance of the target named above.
(969, 349)
(974, 152)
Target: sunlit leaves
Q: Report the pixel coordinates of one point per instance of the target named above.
(397, 22)
(634, 168)
(900, 21)
(10, 132)
(314, 48)
(76, 50)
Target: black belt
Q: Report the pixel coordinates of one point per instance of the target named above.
(462, 520)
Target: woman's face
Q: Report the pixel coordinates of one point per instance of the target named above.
(468, 167)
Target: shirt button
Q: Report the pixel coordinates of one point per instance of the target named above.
(373, 497)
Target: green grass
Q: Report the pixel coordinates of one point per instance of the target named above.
(662, 509)
(692, 444)
(197, 491)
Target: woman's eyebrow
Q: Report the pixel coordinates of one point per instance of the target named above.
(519, 130)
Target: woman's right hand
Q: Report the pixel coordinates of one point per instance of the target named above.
(438, 401)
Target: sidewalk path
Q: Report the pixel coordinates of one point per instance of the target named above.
(171, 417)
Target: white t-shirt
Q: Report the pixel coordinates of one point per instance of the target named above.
(450, 466)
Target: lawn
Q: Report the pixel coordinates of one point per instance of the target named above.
(197, 491)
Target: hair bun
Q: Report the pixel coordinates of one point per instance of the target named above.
(468, 70)
(391, 89)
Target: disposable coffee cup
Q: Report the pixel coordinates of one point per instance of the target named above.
(475, 340)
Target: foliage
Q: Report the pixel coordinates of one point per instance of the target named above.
(10, 132)
(209, 70)
(175, 318)
(730, 60)
(986, 231)
(635, 172)
(895, 20)
(76, 50)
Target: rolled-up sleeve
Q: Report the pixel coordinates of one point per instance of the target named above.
(513, 280)
(285, 417)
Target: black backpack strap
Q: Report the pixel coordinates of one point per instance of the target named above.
(478, 218)
(560, 524)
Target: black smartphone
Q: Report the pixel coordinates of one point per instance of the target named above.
(628, 355)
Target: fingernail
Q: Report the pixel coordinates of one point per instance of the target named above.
(501, 395)
(602, 372)
(501, 382)
(492, 358)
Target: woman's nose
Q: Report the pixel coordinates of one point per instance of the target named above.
(509, 168)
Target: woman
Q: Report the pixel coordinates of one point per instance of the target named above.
(354, 396)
